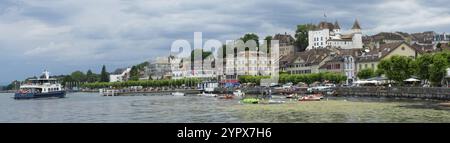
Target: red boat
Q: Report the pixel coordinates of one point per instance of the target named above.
(226, 97)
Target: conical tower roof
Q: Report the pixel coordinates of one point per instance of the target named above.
(356, 25)
(336, 25)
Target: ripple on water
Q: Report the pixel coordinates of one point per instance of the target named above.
(90, 107)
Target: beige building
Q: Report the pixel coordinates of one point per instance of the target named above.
(305, 62)
(286, 42)
(371, 58)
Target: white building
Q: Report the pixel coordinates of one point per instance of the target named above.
(442, 37)
(251, 63)
(329, 35)
(159, 68)
(184, 68)
(124, 75)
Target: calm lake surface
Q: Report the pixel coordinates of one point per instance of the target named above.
(91, 107)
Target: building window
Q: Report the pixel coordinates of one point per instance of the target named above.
(403, 48)
(373, 66)
(365, 66)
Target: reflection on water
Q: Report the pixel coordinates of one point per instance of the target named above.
(90, 107)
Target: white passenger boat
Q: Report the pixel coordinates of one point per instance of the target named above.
(41, 88)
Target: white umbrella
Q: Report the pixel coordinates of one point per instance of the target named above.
(365, 82)
(411, 80)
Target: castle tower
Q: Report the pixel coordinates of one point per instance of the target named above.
(356, 27)
(357, 35)
(337, 28)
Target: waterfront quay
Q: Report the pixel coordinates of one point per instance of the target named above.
(439, 93)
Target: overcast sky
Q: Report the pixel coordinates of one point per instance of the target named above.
(67, 35)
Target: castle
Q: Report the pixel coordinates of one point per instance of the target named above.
(327, 34)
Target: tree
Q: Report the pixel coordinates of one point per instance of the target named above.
(78, 76)
(438, 69)
(366, 73)
(90, 77)
(438, 45)
(379, 72)
(251, 36)
(66, 79)
(397, 68)
(422, 66)
(104, 75)
(269, 43)
(134, 74)
(301, 35)
(150, 77)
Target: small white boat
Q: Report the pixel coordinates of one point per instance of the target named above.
(207, 94)
(275, 102)
(291, 96)
(238, 93)
(178, 94)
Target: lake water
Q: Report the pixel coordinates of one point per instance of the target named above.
(91, 107)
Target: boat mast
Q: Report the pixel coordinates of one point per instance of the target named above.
(46, 74)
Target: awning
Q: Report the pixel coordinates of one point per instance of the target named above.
(379, 78)
(366, 82)
(411, 80)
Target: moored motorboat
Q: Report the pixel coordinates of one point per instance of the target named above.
(207, 94)
(178, 94)
(291, 96)
(226, 97)
(311, 97)
(41, 88)
(250, 100)
(238, 93)
(276, 102)
(445, 104)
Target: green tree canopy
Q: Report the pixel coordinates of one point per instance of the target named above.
(397, 68)
(366, 73)
(104, 75)
(134, 74)
(78, 76)
(422, 65)
(251, 36)
(437, 69)
(91, 77)
(268, 39)
(301, 35)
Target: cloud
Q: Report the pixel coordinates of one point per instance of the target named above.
(83, 34)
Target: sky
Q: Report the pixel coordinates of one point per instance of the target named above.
(67, 35)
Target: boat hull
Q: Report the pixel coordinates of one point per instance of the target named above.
(57, 94)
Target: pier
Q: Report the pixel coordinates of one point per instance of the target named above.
(439, 93)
